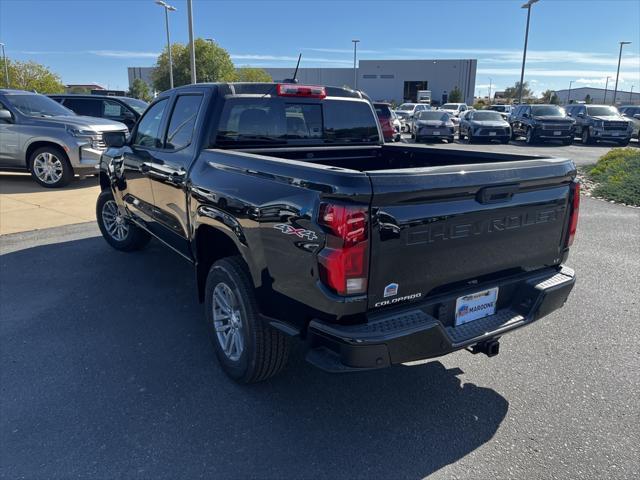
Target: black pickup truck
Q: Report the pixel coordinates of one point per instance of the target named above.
(300, 222)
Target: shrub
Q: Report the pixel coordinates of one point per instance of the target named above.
(617, 175)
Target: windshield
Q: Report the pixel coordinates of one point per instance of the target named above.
(450, 106)
(406, 106)
(138, 105)
(602, 111)
(486, 116)
(37, 105)
(547, 111)
(443, 117)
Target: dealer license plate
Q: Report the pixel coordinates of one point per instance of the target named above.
(476, 305)
(557, 132)
(615, 134)
(492, 134)
(436, 132)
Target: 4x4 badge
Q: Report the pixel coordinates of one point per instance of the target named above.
(298, 232)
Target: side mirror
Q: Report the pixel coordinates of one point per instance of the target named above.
(114, 139)
(6, 115)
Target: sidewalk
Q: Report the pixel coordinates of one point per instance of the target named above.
(25, 205)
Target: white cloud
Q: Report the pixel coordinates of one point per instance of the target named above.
(123, 54)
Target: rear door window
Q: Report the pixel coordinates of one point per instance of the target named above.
(84, 106)
(183, 121)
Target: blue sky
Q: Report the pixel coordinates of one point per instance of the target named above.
(94, 41)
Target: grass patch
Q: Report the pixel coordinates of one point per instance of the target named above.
(617, 175)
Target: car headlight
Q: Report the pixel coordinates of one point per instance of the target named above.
(80, 132)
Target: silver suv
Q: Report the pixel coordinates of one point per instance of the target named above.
(53, 143)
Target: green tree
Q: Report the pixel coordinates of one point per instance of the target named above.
(249, 74)
(455, 95)
(546, 96)
(31, 76)
(140, 90)
(554, 100)
(514, 92)
(588, 99)
(213, 64)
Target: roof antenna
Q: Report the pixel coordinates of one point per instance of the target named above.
(295, 73)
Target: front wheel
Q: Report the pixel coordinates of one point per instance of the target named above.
(116, 229)
(586, 138)
(50, 167)
(248, 349)
(530, 137)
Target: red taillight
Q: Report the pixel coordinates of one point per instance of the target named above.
(573, 218)
(295, 90)
(344, 262)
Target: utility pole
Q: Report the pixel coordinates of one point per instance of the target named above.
(615, 91)
(490, 82)
(631, 93)
(569, 94)
(192, 46)
(167, 9)
(6, 66)
(526, 40)
(355, 68)
(606, 85)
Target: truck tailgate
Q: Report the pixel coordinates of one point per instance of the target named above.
(439, 226)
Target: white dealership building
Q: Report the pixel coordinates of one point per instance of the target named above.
(382, 80)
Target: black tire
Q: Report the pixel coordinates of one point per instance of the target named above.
(530, 138)
(50, 167)
(586, 138)
(264, 350)
(470, 137)
(135, 237)
(567, 141)
(514, 137)
(450, 140)
(504, 141)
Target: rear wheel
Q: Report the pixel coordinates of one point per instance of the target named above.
(248, 350)
(116, 229)
(50, 167)
(586, 138)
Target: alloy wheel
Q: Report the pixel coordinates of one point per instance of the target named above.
(114, 221)
(227, 321)
(48, 168)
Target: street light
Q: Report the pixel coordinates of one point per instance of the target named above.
(569, 94)
(355, 70)
(6, 66)
(192, 48)
(615, 91)
(167, 9)
(490, 82)
(606, 85)
(631, 93)
(526, 40)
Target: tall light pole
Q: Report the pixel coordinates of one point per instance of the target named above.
(569, 94)
(192, 47)
(615, 90)
(490, 82)
(6, 66)
(167, 9)
(355, 68)
(606, 85)
(526, 40)
(631, 93)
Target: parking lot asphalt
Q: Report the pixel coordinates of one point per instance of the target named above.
(106, 372)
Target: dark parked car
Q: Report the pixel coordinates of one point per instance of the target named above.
(484, 125)
(122, 109)
(432, 125)
(407, 111)
(300, 222)
(600, 122)
(541, 123)
(385, 117)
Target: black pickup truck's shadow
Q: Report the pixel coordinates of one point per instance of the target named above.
(107, 373)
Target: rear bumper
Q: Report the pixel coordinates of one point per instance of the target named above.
(426, 330)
